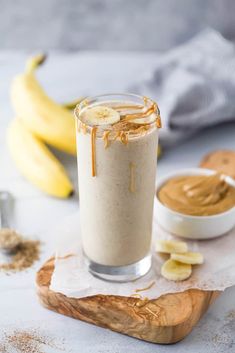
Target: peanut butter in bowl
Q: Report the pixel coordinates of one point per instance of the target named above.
(196, 203)
(198, 195)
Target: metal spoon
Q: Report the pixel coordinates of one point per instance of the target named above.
(9, 239)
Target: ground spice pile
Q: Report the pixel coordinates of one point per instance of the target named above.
(9, 239)
(26, 342)
(23, 256)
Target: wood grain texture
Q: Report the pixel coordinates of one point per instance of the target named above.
(167, 319)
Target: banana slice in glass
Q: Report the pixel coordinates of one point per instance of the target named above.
(176, 271)
(171, 246)
(100, 115)
(192, 258)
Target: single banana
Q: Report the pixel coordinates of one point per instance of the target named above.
(192, 258)
(100, 115)
(36, 162)
(171, 246)
(176, 271)
(48, 120)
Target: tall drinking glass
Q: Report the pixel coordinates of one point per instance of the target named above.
(117, 139)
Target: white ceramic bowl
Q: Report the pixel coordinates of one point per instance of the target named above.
(194, 227)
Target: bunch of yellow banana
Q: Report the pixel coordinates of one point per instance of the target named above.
(40, 120)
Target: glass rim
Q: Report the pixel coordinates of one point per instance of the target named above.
(89, 100)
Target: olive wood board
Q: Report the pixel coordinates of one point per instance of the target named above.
(165, 320)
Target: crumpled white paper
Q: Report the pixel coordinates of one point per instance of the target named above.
(72, 279)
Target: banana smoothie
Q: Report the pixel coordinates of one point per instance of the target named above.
(117, 139)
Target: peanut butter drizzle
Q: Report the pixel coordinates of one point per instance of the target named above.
(159, 122)
(143, 289)
(141, 115)
(142, 130)
(125, 127)
(124, 137)
(93, 151)
(116, 136)
(105, 137)
(81, 127)
(65, 257)
(198, 195)
(132, 177)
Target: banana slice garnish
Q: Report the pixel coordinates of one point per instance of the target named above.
(176, 271)
(100, 115)
(192, 258)
(171, 246)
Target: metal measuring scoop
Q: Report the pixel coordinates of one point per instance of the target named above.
(9, 239)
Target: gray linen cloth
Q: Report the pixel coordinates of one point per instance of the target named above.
(194, 86)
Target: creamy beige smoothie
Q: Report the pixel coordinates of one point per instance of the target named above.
(116, 171)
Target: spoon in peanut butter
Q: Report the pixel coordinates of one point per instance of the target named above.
(9, 239)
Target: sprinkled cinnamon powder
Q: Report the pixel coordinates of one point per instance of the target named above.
(26, 254)
(9, 238)
(27, 341)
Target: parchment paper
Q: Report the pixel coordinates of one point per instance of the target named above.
(71, 277)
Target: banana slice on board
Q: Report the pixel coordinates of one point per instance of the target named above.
(176, 271)
(100, 115)
(192, 258)
(171, 246)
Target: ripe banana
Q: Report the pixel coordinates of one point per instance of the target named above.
(176, 271)
(192, 258)
(36, 162)
(171, 246)
(48, 120)
(100, 115)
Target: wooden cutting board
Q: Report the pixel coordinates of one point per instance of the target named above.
(167, 319)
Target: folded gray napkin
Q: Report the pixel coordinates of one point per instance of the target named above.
(194, 86)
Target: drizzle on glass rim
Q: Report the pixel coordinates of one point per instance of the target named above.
(93, 101)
